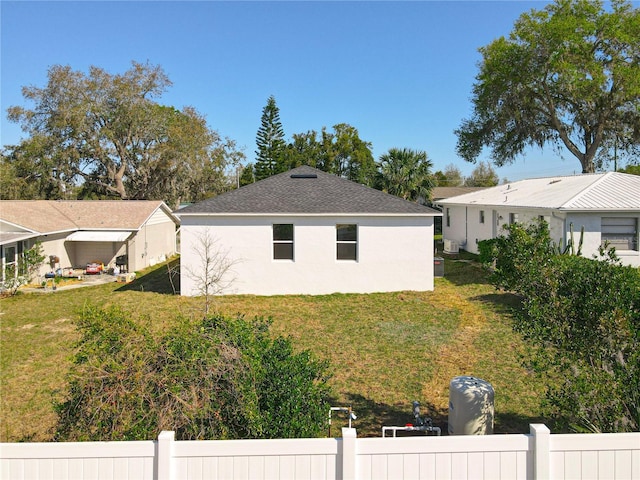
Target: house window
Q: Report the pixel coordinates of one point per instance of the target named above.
(620, 232)
(481, 216)
(9, 255)
(513, 218)
(283, 241)
(448, 218)
(347, 242)
(544, 218)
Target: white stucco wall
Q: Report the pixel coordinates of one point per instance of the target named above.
(394, 254)
(467, 230)
(592, 235)
(152, 244)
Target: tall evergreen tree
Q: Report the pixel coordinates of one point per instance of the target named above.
(270, 142)
(247, 175)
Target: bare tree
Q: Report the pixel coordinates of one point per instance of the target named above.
(173, 272)
(212, 274)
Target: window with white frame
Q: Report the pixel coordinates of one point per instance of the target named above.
(283, 241)
(620, 233)
(9, 255)
(513, 218)
(448, 218)
(346, 242)
(481, 216)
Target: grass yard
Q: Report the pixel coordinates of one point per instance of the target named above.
(386, 349)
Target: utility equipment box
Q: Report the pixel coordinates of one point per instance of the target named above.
(470, 406)
(451, 246)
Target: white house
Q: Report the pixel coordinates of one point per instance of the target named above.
(607, 205)
(134, 234)
(309, 232)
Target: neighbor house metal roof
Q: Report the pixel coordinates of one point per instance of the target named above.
(306, 191)
(47, 216)
(611, 191)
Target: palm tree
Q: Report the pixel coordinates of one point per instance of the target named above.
(406, 173)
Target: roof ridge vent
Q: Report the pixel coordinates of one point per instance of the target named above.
(304, 175)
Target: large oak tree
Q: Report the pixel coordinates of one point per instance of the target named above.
(569, 76)
(107, 134)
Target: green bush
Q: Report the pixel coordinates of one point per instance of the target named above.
(516, 256)
(586, 313)
(217, 378)
(583, 316)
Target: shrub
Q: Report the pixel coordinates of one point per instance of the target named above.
(586, 315)
(583, 315)
(517, 255)
(217, 378)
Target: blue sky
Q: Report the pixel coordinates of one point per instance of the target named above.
(399, 72)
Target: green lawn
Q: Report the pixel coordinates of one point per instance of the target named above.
(386, 349)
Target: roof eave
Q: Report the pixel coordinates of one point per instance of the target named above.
(289, 214)
(160, 206)
(600, 210)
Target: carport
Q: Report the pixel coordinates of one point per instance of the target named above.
(97, 246)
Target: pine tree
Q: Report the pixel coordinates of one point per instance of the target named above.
(247, 175)
(270, 142)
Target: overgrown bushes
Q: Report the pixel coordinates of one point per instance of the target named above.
(583, 318)
(217, 378)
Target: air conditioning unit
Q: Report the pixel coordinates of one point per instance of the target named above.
(451, 246)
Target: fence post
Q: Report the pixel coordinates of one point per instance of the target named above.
(165, 455)
(349, 453)
(541, 451)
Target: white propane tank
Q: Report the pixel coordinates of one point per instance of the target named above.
(470, 406)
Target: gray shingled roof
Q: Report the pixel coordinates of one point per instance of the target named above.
(306, 190)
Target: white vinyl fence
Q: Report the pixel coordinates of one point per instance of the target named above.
(538, 455)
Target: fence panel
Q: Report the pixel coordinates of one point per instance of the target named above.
(538, 455)
(257, 459)
(602, 456)
(78, 460)
(455, 457)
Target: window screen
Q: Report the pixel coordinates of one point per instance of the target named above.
(347, 242)
(620, 232)
(283, 241)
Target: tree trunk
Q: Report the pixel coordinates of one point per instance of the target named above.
(586, 161)
(119, 183)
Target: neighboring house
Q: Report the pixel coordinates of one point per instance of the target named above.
(134, 234)
(607, 205)
(440, 193)
(309, 232)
